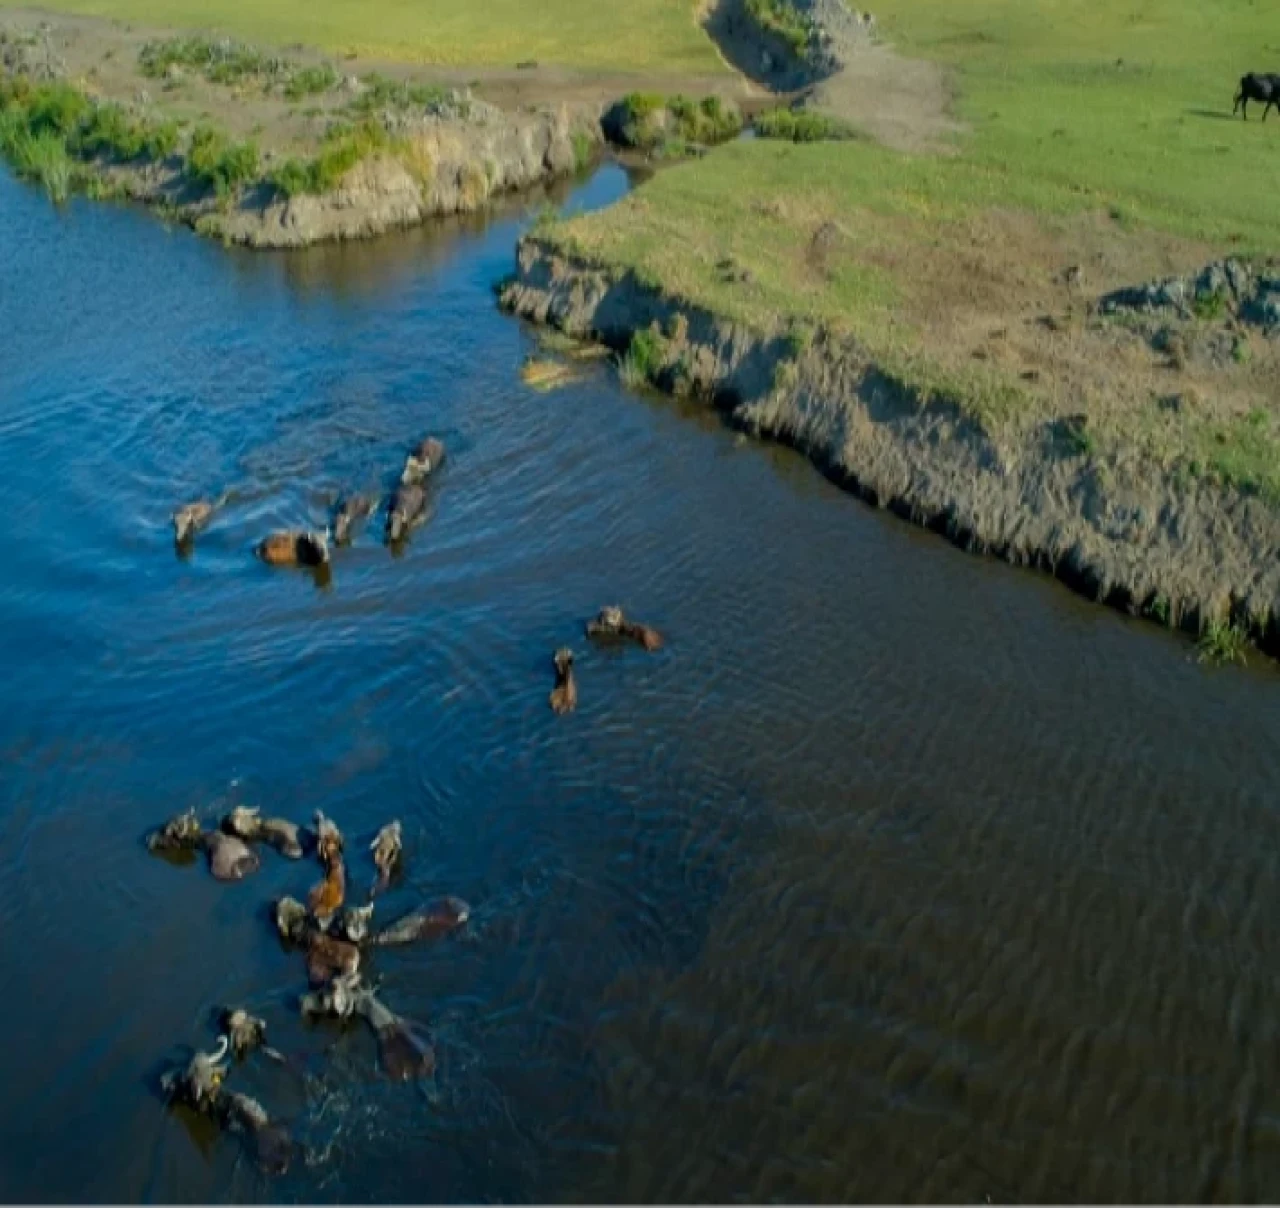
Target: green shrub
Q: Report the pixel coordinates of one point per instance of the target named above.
(709, 121)
(55, 109)
(643, 359)
(648, 121)
(782, 18)
(109, 131)
(800, 126)
(219, 164)
(582, 151)
(381, 92)
(344, 147)
(310, 81)
(1209, 306)
(221, 61)
(640, 105)
(293, 177)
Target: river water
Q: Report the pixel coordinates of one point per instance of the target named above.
(898, 874)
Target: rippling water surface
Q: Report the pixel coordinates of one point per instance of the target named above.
(898, 874)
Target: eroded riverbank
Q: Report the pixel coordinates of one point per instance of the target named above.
(1184, 552)
(265, 149)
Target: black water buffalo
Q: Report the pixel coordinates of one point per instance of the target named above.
(1257, 87)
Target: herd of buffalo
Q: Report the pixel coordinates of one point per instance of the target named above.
(331, 933)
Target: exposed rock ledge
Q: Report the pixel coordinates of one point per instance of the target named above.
(444, 167)
(1118, 529)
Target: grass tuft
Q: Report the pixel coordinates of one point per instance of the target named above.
(219, 164)
(1223, 642)
(801, 126)
(381, 92)
(668, 126)
(642, 360)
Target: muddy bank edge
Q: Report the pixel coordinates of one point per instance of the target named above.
(1117, 528)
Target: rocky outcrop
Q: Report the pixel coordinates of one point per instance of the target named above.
(1116, 528)
(1235, 288)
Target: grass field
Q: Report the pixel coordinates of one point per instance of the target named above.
(653, 36)
(1093, 125)
(1073, 105)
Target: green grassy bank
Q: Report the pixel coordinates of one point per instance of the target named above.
(654, 36)
(1073, 108)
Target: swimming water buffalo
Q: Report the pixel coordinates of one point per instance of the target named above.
(408, 505)
(613, 624)
(245, 822)
(329, 841)
(1261, 87)
(351, 510)
(423, 461)
(294, 547)
(190, 518)
(230, 858)
(327, 957)
(387, 848)
(352, 923)
(564, 696)
(429, 923)
(270, 1143)
(403, 1052)
(327, 896)
(199, 1085)
(246, 1033)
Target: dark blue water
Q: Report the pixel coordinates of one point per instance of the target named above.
(897, 875)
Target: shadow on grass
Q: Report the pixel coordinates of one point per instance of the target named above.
(1217, 114)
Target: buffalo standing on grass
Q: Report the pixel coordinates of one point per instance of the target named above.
(1260, 87)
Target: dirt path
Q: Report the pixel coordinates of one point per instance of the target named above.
(904, 103)
(901, 102)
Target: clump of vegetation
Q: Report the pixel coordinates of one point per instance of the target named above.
(310, 81)
(45, 128)
(220, 60)
(1223, 642)
(217, 163)
(344, 146)
(784, 19)
(380, 92)
(801, 126)
(642, 360)
(651, 122)
(224, 61)
(107, 130)
(40, 157)
(582, 151)
(709, 121)
(1209, 307)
